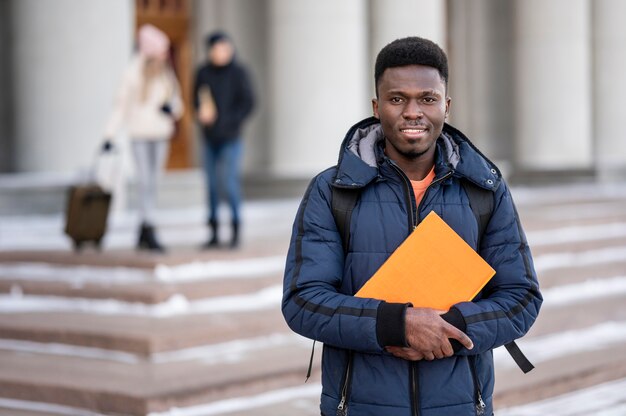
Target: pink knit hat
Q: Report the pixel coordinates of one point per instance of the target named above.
(153, 43)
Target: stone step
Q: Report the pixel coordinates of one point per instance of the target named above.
(139, 388)
(578, 315)
(142, 366)
(142, 277)
(6, 411)
(128, 258)
(40, 193)
(578, 246)
(145, 334)
(576, 274)
(146, 293)
(559, 376)
(564, 214)
(139, 335)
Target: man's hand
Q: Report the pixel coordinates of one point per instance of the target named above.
(406, 353)
(207, 116)
(427, 334)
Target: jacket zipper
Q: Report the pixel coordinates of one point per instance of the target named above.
(342, 408)
(413, 210)
(479, 403)
(415, 408)
(409, 201)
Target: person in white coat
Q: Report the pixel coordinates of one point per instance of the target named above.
(147, 105)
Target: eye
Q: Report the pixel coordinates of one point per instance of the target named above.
(430, 100)
(396, 100)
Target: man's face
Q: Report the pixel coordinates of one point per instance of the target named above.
(412, 106)
(221, 53)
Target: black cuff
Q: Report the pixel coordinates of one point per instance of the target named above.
(390, 329)
(455, 318)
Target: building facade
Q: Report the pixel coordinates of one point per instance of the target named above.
(537, 84)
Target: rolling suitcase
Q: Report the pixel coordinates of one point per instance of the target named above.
(86, 214)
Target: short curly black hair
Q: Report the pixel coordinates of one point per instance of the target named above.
(411, 51)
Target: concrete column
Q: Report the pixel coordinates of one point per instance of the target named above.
(6, 113)
(394, 19)
(553, 88)
(318, 74)
(481, 80)
(609, 67)
(68, 57)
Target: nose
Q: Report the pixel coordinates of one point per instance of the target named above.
(412, 110)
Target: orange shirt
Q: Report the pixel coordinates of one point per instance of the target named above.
(419, 187)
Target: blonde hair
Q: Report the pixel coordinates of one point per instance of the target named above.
(164, 74)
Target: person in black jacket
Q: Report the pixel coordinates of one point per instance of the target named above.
(223, 100)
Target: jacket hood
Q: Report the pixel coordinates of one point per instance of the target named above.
(362, 154)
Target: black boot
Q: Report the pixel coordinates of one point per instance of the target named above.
(148, 240)
(213, 242)
(234, 239)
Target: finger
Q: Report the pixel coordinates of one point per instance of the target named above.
(404, 355)
(429, 356)
(447, 349)
(460, 336)
(412, 354)
(439, 354)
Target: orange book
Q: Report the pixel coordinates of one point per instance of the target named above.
(434, 267)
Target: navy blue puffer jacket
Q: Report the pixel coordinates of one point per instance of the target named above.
(358, 377)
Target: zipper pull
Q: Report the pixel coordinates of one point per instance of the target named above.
(342, 409)
(480, 405)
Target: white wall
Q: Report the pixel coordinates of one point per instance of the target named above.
(68, 57)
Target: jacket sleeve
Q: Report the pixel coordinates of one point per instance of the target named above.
(313, 304)
(510, 302)
(245, 97)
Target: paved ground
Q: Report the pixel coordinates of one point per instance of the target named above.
(136, 334)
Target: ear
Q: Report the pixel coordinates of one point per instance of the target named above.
(448, 105)
(375, 107)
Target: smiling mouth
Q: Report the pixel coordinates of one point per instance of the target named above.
(414, 132)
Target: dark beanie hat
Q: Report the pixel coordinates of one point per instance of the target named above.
(215, 37)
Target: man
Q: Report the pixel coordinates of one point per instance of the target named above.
(398, 359)
(224, 99)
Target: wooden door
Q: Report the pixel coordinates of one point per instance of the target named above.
(173, 18)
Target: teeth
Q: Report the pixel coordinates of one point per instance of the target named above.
(413, 130)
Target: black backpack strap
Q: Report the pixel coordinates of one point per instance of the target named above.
(482, 203)
(343, 201)
(518, 356)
